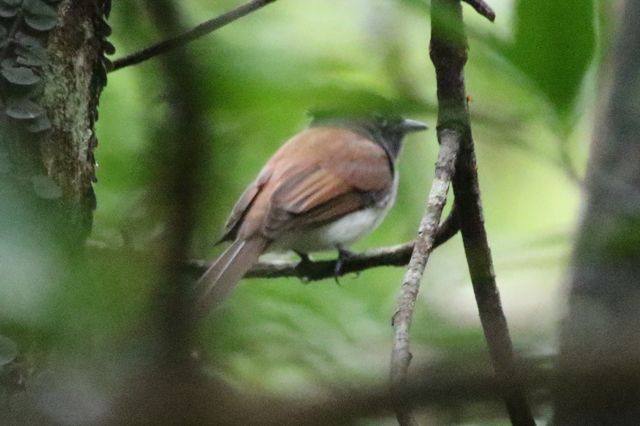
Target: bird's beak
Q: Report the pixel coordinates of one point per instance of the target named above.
(409, 126)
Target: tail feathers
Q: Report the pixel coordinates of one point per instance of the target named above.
(216, 284)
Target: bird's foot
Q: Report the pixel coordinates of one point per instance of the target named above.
(343, 255)
(304, 265)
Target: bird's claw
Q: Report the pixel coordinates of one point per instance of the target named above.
(343, 255)
(303, 266)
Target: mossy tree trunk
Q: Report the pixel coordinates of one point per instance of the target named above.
(52, 71)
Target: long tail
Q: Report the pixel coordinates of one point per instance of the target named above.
(216, 284)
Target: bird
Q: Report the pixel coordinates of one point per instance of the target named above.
(324, 189)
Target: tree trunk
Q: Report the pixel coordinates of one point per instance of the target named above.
(52, 70)
(601, 334)
(48, 132)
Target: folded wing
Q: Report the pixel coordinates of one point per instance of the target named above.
(318, 176)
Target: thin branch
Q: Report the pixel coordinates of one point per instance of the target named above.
(398, 255)
(482, 8)
(190, 35)
(400, 355)
(449, 55)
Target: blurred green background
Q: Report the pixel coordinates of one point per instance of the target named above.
(532, 78)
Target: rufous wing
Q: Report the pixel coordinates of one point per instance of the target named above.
(318, 176)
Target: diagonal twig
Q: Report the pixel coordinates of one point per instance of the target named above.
(449, 55)
(190, 35)
(400, 355)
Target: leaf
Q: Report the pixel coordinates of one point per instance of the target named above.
(39, 7)
(554, 45)
(8, 350)
(7, 11)
(30, 50)
(29, 60)
(39, 15)
(27, 40)
(17, 74)
(104, 28)
(41, 22)
(23, 109)
(108, 48)
(39, 124)
(31, 55)
(45, 187)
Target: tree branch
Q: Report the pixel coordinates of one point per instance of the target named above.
(189, 36)
(398, 255)
(400, 355)
(449, 55)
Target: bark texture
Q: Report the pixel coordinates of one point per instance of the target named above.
(74, 79)
(51, 172)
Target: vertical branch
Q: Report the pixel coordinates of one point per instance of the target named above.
(181, 158)
(448, 51)
(401, 355)
(171, 388)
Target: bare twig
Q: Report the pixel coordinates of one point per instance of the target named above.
(482, 8)
(449, 55)
(400, 355)
(398, 255)
(189, 36)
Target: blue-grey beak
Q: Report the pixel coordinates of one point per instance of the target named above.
(409, 126)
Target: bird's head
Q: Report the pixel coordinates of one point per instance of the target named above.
(388, 130)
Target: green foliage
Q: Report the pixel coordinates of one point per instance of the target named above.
(554, 45)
